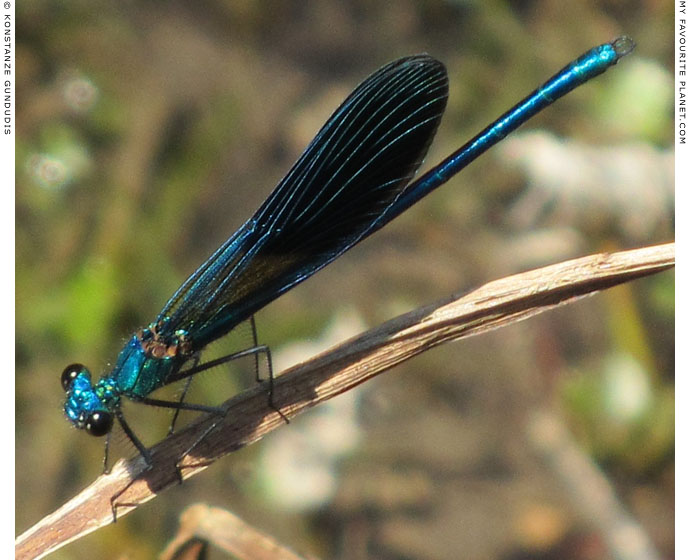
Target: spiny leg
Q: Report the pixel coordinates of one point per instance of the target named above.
(181, 405)
(269, 362)
(142, 450)
(255, 344)
(171, 429)
(255, 350)
(145, 453)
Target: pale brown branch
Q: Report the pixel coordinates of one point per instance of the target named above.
(249, 417)
(225, 531)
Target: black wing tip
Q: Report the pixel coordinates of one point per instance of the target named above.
(423, 59)
(434, 70)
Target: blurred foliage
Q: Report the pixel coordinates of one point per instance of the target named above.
(148, 131)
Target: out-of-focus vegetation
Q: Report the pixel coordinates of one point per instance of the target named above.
(148, 131)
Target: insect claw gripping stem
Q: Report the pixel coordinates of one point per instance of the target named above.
(354, 177)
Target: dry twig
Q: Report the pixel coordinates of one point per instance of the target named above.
(249, 417)
(201, 524)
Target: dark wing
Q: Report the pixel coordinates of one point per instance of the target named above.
(357, 166)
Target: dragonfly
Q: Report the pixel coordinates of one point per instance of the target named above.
(353, 178)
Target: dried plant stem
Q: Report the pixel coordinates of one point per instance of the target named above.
(226, 531)
(249, 417)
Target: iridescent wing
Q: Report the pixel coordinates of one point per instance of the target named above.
(358, 164)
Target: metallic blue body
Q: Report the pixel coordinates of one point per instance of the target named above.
(135, 375)
(351, 180)
(591, 64)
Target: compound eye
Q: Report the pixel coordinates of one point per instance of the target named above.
(70, 374)
(99, 423)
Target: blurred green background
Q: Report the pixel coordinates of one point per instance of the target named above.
(148, 131)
